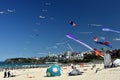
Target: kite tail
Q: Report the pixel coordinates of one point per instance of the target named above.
(70, 37)
(115, 31)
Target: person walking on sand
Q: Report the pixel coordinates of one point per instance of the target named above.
(9, 75)
(5, 74)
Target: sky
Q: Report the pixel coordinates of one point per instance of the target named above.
(35, 28)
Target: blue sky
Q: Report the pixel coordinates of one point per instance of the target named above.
(33, 28)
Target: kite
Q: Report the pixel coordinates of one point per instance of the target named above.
(98, 53)
(107, 29)
(72, 23)
(96, 40)
(70, 37)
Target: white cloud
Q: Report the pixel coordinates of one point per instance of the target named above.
(37, 23)
(52, 47)
(55, 47)
(25, 48)
(47, 4)
(51, 18)
(60, 43)
(44, 10)
(11, 11)
(103, 38)
(86, 32)
(2, 12)
(7, 11)
(117, 39)
(41, 53)
(41, 17)
(95, 25)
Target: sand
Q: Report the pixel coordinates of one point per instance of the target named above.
(40, 74)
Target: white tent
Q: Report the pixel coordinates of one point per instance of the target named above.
(117, 62)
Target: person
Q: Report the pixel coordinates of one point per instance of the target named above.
(112, 64)
(98, 69)
(93, 66)
(73, 66)
(9, 75)
(107, 58)
(5, 74)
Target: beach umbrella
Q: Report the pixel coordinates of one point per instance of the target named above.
(53, 70)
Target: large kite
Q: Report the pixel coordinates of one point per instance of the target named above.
(96, 40)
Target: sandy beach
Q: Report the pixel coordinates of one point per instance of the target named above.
(40, 74)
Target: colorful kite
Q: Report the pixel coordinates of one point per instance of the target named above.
(72, 23)
(98, 53)
(96, 40)
(70, 37)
